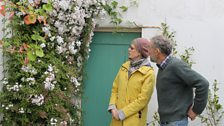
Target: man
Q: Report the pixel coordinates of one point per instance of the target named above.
(175, 83)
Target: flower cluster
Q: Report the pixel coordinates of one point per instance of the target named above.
(67, 24)
(45, 57)
(38, 100)
(50, 81)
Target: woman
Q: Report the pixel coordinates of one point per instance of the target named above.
(132, 87)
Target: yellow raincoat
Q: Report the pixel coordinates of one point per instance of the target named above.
(132, 94)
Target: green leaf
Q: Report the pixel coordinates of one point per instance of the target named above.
(31, 56)
(6, 44)
(40, 11)
(38, 38)
(114, 4)
(34, 37)
(39, 52)
(114, 14)
(47, 7)
(107, 8)
(124, 8)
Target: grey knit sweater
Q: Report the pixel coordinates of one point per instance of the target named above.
(175, 85)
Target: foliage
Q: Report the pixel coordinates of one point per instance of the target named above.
(214, 111)
(46, 43)
(114, 11)
(186, 56)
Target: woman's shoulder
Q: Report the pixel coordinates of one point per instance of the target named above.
(146, 69)
(126, 64)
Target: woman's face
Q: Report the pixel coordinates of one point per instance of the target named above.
(133, 53)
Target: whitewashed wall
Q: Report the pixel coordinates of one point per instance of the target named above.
(198, 24)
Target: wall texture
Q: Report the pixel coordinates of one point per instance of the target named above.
(197, 24)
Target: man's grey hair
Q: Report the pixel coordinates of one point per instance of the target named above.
(163, 44)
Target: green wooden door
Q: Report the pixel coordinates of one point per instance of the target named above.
(108, 52)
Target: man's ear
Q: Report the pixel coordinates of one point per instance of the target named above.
(158, 51)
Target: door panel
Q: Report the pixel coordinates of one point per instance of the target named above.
(109, 51)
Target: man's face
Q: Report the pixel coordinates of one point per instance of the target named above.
(153, 52)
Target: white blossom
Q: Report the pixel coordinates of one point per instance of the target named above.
(30, 1)
(76, 30)
(57, 24)
(61, 16)
(29, 69)
(103, 2)
(72, 49)
(5, 81)
(79, 2)
(78, 43)
(75, 81)
(20, 14)
(53, 121)
(42, 45)
(52, 38)
(70, 24)
(62, 29)
(64, 4)
(21, 110)
(46, 30)
(63, 123)
(15, 87)
(10, 105)
(25, 68)
(60, 40)
(50, 81)
(50, 68)
(38, 100)
(45, 1)
(23, 79)
(31, 80)
(59, 49)
(48, 85)
(53, 13)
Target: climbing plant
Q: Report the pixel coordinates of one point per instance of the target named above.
(45, 45)
(186, 56)
(214, 111)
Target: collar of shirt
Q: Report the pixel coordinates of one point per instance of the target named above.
(164, 63)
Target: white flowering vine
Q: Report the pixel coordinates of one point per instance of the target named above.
(45, 55)
(46, 43)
